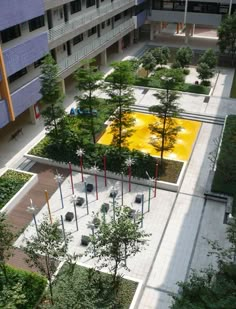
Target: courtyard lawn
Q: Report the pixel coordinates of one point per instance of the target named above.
(80, 287)
(10, 183)
(225, 176)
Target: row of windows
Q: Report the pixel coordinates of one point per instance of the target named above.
(15, 31)
(75, 6)
(193, 6)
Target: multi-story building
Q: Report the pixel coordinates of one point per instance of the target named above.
(207, 13)
(70, 30)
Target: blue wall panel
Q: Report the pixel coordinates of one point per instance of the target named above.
(13, 12)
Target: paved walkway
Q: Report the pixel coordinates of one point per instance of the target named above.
(178, 221)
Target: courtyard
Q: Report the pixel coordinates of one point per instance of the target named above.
(178, 221)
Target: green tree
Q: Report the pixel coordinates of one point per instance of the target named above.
(46, 249)
(121, 97)
(212, 288)
(88, 80)
(204, 72)
(209, 57)
(12, 297)
(6, 240)
(161, 55)
(52, 95)
(184, 56)
(227, 36)
(115, 241)
(148, 62)
(165, 129)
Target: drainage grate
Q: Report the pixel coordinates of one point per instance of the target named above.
(206, 99)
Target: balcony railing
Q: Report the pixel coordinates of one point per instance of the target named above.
(95, 45)
(75, 23)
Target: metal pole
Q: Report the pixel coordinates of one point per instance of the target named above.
(76, 216)
(62, 203)
(230, 7)
(96, 185)
(63, 228)
(142, 209)
(129, 178)
(71, 178)
(185, 12)
(149, 197)
(156, 175)
(86, 196)
(105, 169)
(113, 206)
(49, 210)
(81, 168)
(35, 223)
(122, 188)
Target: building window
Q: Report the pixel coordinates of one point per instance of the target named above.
(75, 6)
(103, 24)
(117, 17)
(108, 22)
(17, 75)
(10, 33)
(38, 62)
(90, 3)
(36, 23)
(78, 39)
(92, 31)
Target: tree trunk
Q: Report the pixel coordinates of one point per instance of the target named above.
(91, 118)
(55, 121)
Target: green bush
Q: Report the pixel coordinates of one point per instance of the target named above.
(33, 285)
(225, 176)
(10, 183)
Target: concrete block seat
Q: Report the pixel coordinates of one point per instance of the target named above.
(80, 201)
(69, 216)
(89, 187)
(113, 193)
(138, 198)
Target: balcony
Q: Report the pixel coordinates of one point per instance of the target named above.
(89, 19)
(71, 63)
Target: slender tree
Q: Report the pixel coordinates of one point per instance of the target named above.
(6, 240)
(161, 55)
(52, 95)
(148, 62)
(46, 249)
(121, 97)
(117, 240)
(209, 57)
(165, 129)
(88, 80)
(227, 36)
(204, 72)
(184, 56)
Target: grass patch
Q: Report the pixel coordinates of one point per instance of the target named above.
(10, 183)
(80, 287)
(225, 176)
(233, 87)
(33, 286)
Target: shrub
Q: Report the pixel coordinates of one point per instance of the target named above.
(33, 285)
(10, 183)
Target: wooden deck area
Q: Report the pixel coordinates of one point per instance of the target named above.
(19, 218)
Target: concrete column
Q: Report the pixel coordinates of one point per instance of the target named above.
(104, 57)
(187, 32)
(63, 88)
(159, 27)
(136, 35)
(131, 38)
(32, 116)
(193, 29)
(152, 31)
(177, 28)
(120, 45)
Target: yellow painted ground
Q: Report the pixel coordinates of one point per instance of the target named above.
(140, 140)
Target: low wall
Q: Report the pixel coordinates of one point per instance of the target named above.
(140, 181)
(21, 193)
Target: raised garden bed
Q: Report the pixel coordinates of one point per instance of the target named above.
(90, 289)
(13, 185)
(225, 175)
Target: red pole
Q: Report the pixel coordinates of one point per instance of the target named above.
(96, 185)
(156, 174)
(71, 178)
(105, 169)
(81, 168)
(129, 178)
